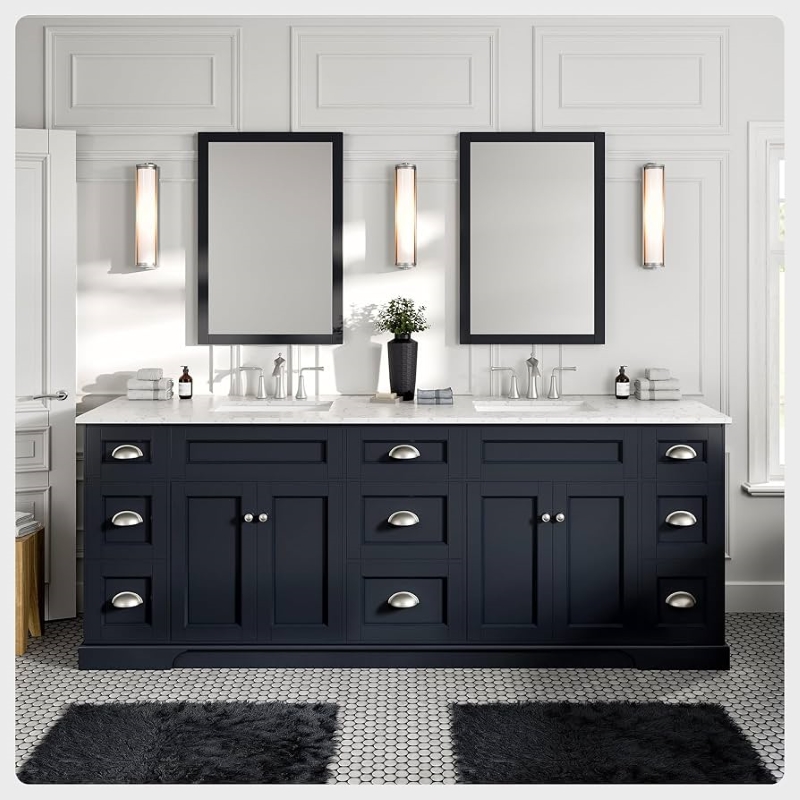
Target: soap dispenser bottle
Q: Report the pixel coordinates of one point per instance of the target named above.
(279, 373)
(622, 385)
(185, 385)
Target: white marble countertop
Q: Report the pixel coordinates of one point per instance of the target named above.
(358, 410)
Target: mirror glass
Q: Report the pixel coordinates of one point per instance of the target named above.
(270, 231)
(532, 244)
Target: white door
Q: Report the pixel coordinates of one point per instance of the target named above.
(45, 279)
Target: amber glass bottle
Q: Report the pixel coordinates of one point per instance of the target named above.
(622, 385)
(185, 385)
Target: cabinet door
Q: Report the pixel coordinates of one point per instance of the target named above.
(213, 562)
(594, 562)
(301, 562)
(509, 556)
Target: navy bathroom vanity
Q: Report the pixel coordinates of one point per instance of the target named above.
(403, 536)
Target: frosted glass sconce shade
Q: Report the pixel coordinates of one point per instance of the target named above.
(653, 209)
(405, 215)
(146, 234)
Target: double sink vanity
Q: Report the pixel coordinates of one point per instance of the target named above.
(338, 532)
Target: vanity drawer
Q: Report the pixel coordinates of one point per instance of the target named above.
(684, 453)
(257, 452)
(126, 452)
(407, 520)
(683, 601)
(405, 601)
(683, 520)
(140, 612)
(405, 453)
(574, 452)
(126, 520)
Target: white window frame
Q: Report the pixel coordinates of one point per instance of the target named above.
(765, 148)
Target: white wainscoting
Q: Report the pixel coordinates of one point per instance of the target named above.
(631, 80)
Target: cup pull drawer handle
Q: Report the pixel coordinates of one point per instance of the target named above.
(404, 451)
(126, 600)
(403, 600)
(124, 518)
(681, 519)
(681, 600)
(124, 451)
(681, 452)
(402, 519)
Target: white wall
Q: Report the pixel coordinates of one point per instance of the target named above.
(675, 90)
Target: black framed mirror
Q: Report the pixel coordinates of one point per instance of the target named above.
(269, 238)
(532, 238)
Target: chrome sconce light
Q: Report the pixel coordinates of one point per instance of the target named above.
(653, 215)
(405, 215)
(146, 233)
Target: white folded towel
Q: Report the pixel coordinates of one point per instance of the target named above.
(643, 384)
(22, 517)
(663, 394)
(27, 527)
(150, 386)
(656, 373)
(150, 374)
(145, 394)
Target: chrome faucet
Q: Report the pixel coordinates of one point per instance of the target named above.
(553, 393)
(301, 384)
(513, 392)
(262, 384)
(533, 374)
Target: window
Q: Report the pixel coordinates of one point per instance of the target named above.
(766, 284)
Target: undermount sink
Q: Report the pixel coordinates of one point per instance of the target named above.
(273, 406)
(544, 407)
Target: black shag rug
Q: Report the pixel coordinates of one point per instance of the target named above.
(602, 743)
(186, 743)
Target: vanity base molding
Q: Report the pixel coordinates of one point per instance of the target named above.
(404, 546)
(166, 657)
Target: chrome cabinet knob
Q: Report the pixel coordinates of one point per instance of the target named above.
(681, 452)
(681, 519)
(560, 517)
(263, 517)
(402, 519)
(545, 518)
(126, 600)
(125, 451)
(681, 600)
(124, 518)
(403, 600)
(404, 451)
(248, 517)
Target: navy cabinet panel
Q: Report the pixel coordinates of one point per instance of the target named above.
(595, 561)
(257, 452)
(126, 452)
(667, 585)
(437, 617)
(546, 452)
(660, 445)
(300, 563)
(437, 507)
(214, 568)
(125, 520)
(509, 562)
(666, 532)
(439, 453)
(105, 623)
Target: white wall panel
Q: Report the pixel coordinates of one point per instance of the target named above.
(125, 78)
(631, 80)
(411, 79)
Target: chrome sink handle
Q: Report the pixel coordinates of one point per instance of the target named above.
(553, 393)
(513, 391)
(301, 384)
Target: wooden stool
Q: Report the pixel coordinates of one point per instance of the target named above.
(29, 560)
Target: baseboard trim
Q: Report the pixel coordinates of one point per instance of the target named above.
(754, 596)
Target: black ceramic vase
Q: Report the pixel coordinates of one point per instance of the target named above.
(402, 365)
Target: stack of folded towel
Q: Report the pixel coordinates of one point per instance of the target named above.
(26, 523)
(657, 384)
(150, 384)
(435, 397)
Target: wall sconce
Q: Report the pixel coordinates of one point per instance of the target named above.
(146, 233)
(405, 215)
(653, 207)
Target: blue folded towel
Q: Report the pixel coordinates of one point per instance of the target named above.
(435, 397)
